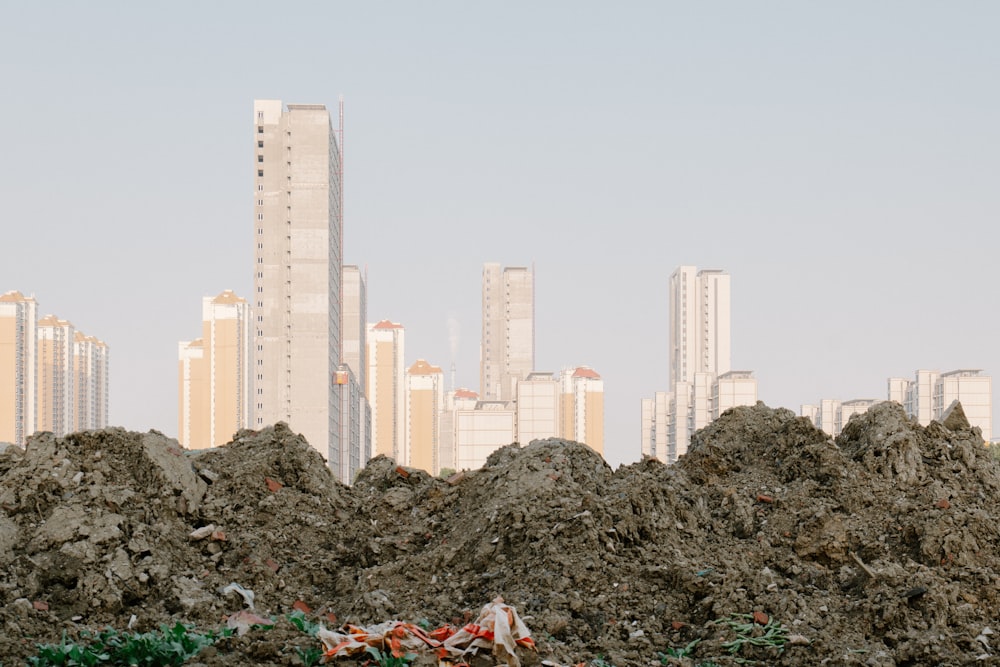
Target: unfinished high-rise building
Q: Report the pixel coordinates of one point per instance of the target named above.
(297, 270)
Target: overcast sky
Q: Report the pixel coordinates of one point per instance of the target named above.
(839, 159)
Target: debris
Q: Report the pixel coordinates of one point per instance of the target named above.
(202, 533)
(868, 570)
(245, 593)
(390, 547)
(273, 485)
(245, 619)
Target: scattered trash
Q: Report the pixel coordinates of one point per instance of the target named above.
(245, 619)
(245, 593)
(497, 629)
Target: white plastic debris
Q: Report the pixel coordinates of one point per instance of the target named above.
(245, 593)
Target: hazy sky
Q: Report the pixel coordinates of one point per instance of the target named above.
(839, 159)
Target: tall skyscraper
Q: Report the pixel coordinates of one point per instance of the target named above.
(352, 381)
(18, 320)
(297, 270)
(55, 376)
(386, 390)
(90, 377)
(214, 374)
(702, 383)
(699, 323)
(424, 403)
(507, 351)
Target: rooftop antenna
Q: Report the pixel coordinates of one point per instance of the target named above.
(340, 178)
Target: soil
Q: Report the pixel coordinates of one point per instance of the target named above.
(881, 547)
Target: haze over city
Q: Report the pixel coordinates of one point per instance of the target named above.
(838, 161)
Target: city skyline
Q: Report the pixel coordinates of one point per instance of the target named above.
(839, 169)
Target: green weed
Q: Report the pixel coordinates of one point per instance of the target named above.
(168, 646)
(771, 635)
(387, 659)
(299, 620)
(309, 656)
(678, 652)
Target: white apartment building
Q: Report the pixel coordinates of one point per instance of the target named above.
(18, 374)
(480, 431)
(297, 270)
(458, 399)
(699, 323)
(930, 393)
(926, 397)
(90, 374)
(831, 415)
(507, 351)
(387, 391)
(702, 383)
(538, 407)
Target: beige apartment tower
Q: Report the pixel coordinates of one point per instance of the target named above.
(582, 407)
(18, 320)
(297, 270)
(424, 403)
(507, 350)
(55, 376)
(213, 375)
(387, 391)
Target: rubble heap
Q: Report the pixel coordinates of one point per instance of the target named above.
(769, 541)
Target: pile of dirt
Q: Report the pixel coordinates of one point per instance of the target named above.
(768, 542)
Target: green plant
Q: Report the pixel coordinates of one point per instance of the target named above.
(387, 659)
(69, 654)
(309, 656)
(299, 620)
(677, 652)
(168, 646)
(771, 635)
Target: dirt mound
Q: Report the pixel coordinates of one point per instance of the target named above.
(768, 542)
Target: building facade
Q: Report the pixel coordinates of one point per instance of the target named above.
(214, 400)
(482, 429)
(18, 338)
(702, 384)
(90, 375)
(297, 270)
(930, 393)
(582, 405)
(352, 380)
(55, 386)
(424, 404)
(387, 390)
(507, 349)
(539, 399)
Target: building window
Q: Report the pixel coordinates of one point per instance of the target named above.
(260, 172)
(260, 144)
(260, 129)
(260, 187)
(260, 158)
(260, 216)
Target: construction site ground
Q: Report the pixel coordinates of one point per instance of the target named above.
(768, 543)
